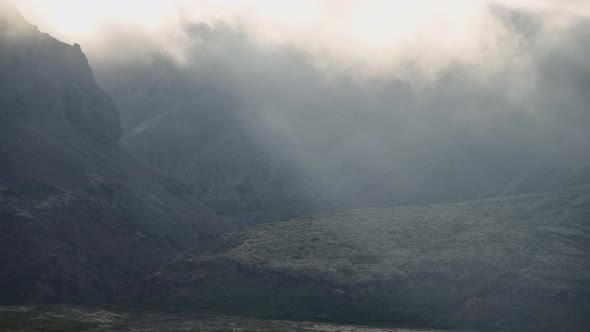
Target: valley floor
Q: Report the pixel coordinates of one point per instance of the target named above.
(77, 319)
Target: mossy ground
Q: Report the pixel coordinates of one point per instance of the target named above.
(84, 319)
(511, 263)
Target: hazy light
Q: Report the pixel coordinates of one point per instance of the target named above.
(373, 36)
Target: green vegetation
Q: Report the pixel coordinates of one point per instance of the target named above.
(35, 198)
(24, 319)
(534, 232)
(512, 263)
(78, 319)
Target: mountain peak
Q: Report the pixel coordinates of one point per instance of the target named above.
(63, 82)
(96, 220)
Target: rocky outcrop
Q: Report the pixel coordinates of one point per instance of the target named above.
(80, 219)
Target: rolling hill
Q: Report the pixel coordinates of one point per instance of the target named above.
(514, 263)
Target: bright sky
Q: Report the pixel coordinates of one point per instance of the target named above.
(376, 34)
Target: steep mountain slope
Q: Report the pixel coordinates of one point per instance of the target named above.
(253, 129)
(79, 218)
(191, 127)
(515, 263)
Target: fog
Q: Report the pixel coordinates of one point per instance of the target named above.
(360, 103)
(295, 165)
(374, 38)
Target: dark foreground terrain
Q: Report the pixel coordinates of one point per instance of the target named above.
(74, 319)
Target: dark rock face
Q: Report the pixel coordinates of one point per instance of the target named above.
(80, 220)
(58, 75)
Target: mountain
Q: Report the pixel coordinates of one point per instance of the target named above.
(519, 263)
(189, 126)
(80, 219)
(263, 135)
(559, 169)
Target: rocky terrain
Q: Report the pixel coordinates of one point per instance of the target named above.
(80, 219)
(515, 263)
(80, 319)
(277, 203)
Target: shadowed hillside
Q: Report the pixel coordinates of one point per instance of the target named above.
(515, 263)
(264, 135)
(80, 219)
(295, 167)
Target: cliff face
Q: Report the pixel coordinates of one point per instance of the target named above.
(80, 219)
(60, 79)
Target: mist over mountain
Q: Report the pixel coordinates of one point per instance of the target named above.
(338, 141)
(81, 219)
(401, 164)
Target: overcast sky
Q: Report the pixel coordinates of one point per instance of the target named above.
(375, 38)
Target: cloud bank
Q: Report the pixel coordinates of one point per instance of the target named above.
(375, 38)
(382, 101)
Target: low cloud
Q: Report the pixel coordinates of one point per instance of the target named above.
(397, 97)
(373, 38)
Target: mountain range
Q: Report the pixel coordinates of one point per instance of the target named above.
(220, 187)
